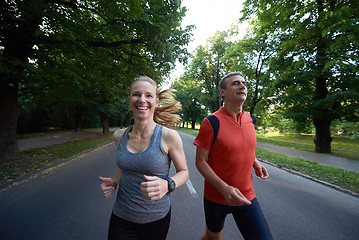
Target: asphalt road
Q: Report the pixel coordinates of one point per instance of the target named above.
(65, 203)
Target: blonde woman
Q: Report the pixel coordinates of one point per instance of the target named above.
(144, 151)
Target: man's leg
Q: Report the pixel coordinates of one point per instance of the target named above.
(215, 216)
(208, 235)
(251, 222)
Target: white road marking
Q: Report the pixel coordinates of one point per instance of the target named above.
(191, 189)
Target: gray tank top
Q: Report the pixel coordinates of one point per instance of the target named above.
(130, 204)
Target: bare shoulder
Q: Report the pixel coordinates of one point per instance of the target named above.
(173, 146)
(170, 135)
(171, 140)
(117, 135)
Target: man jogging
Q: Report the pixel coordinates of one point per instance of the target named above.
(225, 157)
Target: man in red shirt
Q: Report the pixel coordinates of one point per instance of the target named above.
(227, 166)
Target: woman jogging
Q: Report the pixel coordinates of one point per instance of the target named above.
(144, 151)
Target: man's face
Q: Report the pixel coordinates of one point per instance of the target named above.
(236, 89)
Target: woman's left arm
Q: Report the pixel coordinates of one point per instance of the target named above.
(176, 152)
(154, 188)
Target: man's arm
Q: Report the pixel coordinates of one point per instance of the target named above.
(260, 170)
(231, 194)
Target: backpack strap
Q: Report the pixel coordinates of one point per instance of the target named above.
(215, 126)
(254, 119)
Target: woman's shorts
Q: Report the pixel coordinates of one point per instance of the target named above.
(125, 230)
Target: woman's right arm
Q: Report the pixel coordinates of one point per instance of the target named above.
(109, 185)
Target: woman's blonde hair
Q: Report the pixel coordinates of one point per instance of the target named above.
(164, 112)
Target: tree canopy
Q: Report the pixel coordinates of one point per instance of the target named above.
(82, 55)
(316, 63)
(300, 59)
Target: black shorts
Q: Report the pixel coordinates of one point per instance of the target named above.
(249, 219)
(126, 230)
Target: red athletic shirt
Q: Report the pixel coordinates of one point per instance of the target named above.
(232, 155)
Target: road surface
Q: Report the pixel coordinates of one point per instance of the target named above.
(65, 203)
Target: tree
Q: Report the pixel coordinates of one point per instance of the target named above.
(207, 67)
(251, 56)
(188, 93)
(315, 69)
(81, 40)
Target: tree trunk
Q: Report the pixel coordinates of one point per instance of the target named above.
(104, 122)
(127, 120)
(9, 108)
(78, 119)
(193, 124)
(323, 138)
(322, 116)
(17, 41)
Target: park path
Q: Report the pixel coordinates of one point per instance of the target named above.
(61, 137)
(65, 202)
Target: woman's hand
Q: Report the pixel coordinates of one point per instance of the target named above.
(107, 187)
(154, 188)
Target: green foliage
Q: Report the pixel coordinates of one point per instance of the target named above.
(310, 37)
(208, 67)
(252, 56)
(188, 92)
(316, 62)
(345, 128)
(85, 53)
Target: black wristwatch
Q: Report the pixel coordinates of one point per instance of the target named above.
(171, 184)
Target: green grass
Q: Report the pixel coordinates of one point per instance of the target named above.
(342, 146)
(185, 130)
(39, 158)
(35, 159)
(343, 178)
(346, 146)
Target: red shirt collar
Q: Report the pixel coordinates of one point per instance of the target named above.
(225, 111)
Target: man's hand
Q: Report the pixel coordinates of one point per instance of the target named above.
(234, 197)
(260, 170)
(154, 188)
(107, 187)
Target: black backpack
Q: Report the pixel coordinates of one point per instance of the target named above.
(215, 125)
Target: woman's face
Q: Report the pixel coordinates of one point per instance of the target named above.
(143, 99)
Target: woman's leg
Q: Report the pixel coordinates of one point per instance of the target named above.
(121, 229)
(156, 230)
